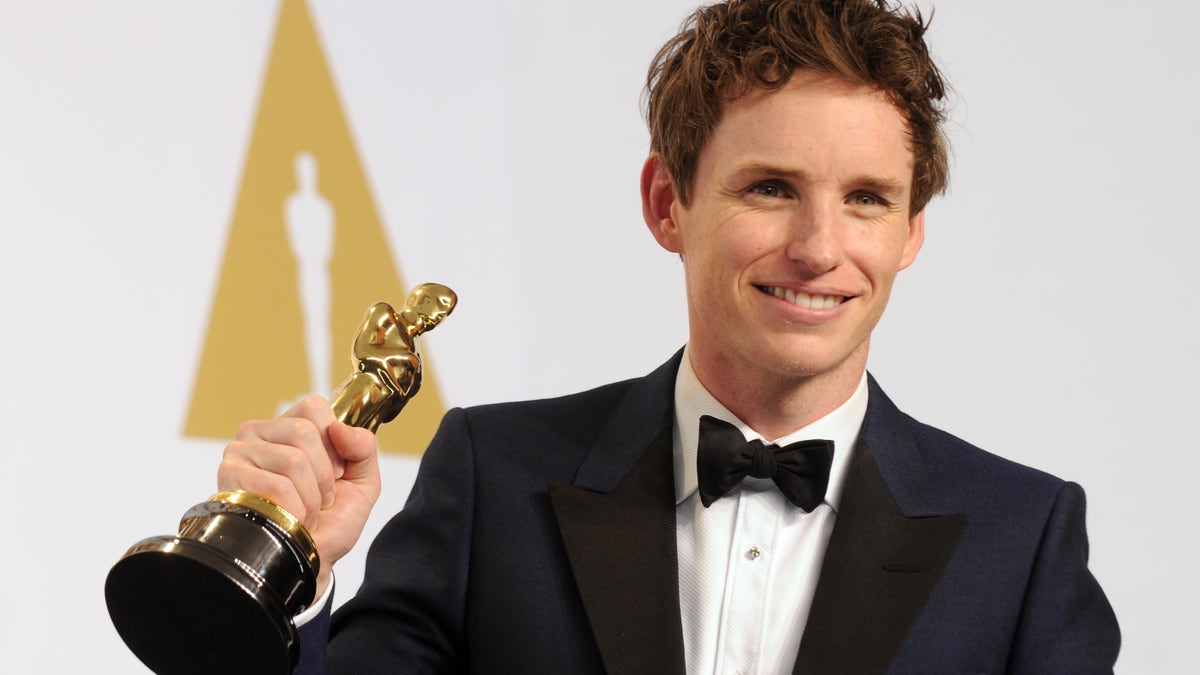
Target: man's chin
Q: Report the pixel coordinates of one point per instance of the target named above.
(806, 361)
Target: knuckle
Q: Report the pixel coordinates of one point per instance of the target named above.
(227, 476)
(294, 463)
(303, 431)
(279, 490)
(313, 407)
(233, 451)
(314, 401)
(247, 429)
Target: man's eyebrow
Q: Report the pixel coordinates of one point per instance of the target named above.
(765, 169)
(879, 184)
(870, 182)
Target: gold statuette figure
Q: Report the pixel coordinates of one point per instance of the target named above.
(387, 369)
(220, 596)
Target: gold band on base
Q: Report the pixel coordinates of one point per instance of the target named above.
(278, 515)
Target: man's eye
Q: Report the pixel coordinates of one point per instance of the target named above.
(767, 190)
(865, 199)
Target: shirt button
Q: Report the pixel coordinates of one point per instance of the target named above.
(753, 553)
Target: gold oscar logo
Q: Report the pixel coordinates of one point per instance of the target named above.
(306, 255)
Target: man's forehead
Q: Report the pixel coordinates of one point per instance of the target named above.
(814, 113)
(809, 78)
(812, 84)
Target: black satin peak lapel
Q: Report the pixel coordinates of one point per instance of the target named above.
(621, 547)
(879, 569)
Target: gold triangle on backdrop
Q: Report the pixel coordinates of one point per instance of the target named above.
(255, 357)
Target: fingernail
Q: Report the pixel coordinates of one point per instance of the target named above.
(327, 500)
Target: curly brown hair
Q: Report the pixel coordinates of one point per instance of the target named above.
(723, 51)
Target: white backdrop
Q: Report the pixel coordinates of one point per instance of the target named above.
(1049, 317)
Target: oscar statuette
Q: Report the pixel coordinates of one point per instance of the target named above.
(219, 597)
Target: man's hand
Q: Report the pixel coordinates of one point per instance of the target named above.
(324, 472)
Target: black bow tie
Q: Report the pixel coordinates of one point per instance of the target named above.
(724, 458)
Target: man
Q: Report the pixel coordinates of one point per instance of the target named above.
(794, 147)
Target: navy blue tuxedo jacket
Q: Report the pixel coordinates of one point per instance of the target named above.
(540, 538)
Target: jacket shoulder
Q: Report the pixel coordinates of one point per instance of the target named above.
(620, 412)
(958, 470)
(980, 482)
(574, 414)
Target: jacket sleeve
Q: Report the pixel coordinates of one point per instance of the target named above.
(1067, 624)
(313, 636)
(408, 615)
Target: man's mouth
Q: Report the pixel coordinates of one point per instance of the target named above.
(803, 299)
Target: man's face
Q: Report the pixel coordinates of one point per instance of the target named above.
(799, 221)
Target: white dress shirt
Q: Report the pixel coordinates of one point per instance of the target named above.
(748, 564)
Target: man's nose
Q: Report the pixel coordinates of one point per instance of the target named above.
(815, 238)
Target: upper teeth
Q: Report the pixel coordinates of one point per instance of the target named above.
(804, 299)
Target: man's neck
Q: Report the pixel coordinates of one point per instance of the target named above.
(775, 404)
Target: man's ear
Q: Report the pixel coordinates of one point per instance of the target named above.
(658, 203)
(916, 237)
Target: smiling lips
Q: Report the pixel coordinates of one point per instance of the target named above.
(803, 299)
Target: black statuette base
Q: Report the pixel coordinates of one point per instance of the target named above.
(218, 598)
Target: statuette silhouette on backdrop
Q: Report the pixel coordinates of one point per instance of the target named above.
(220, 595)
(311, 227)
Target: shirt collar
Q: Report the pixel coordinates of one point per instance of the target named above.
(692, 401)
